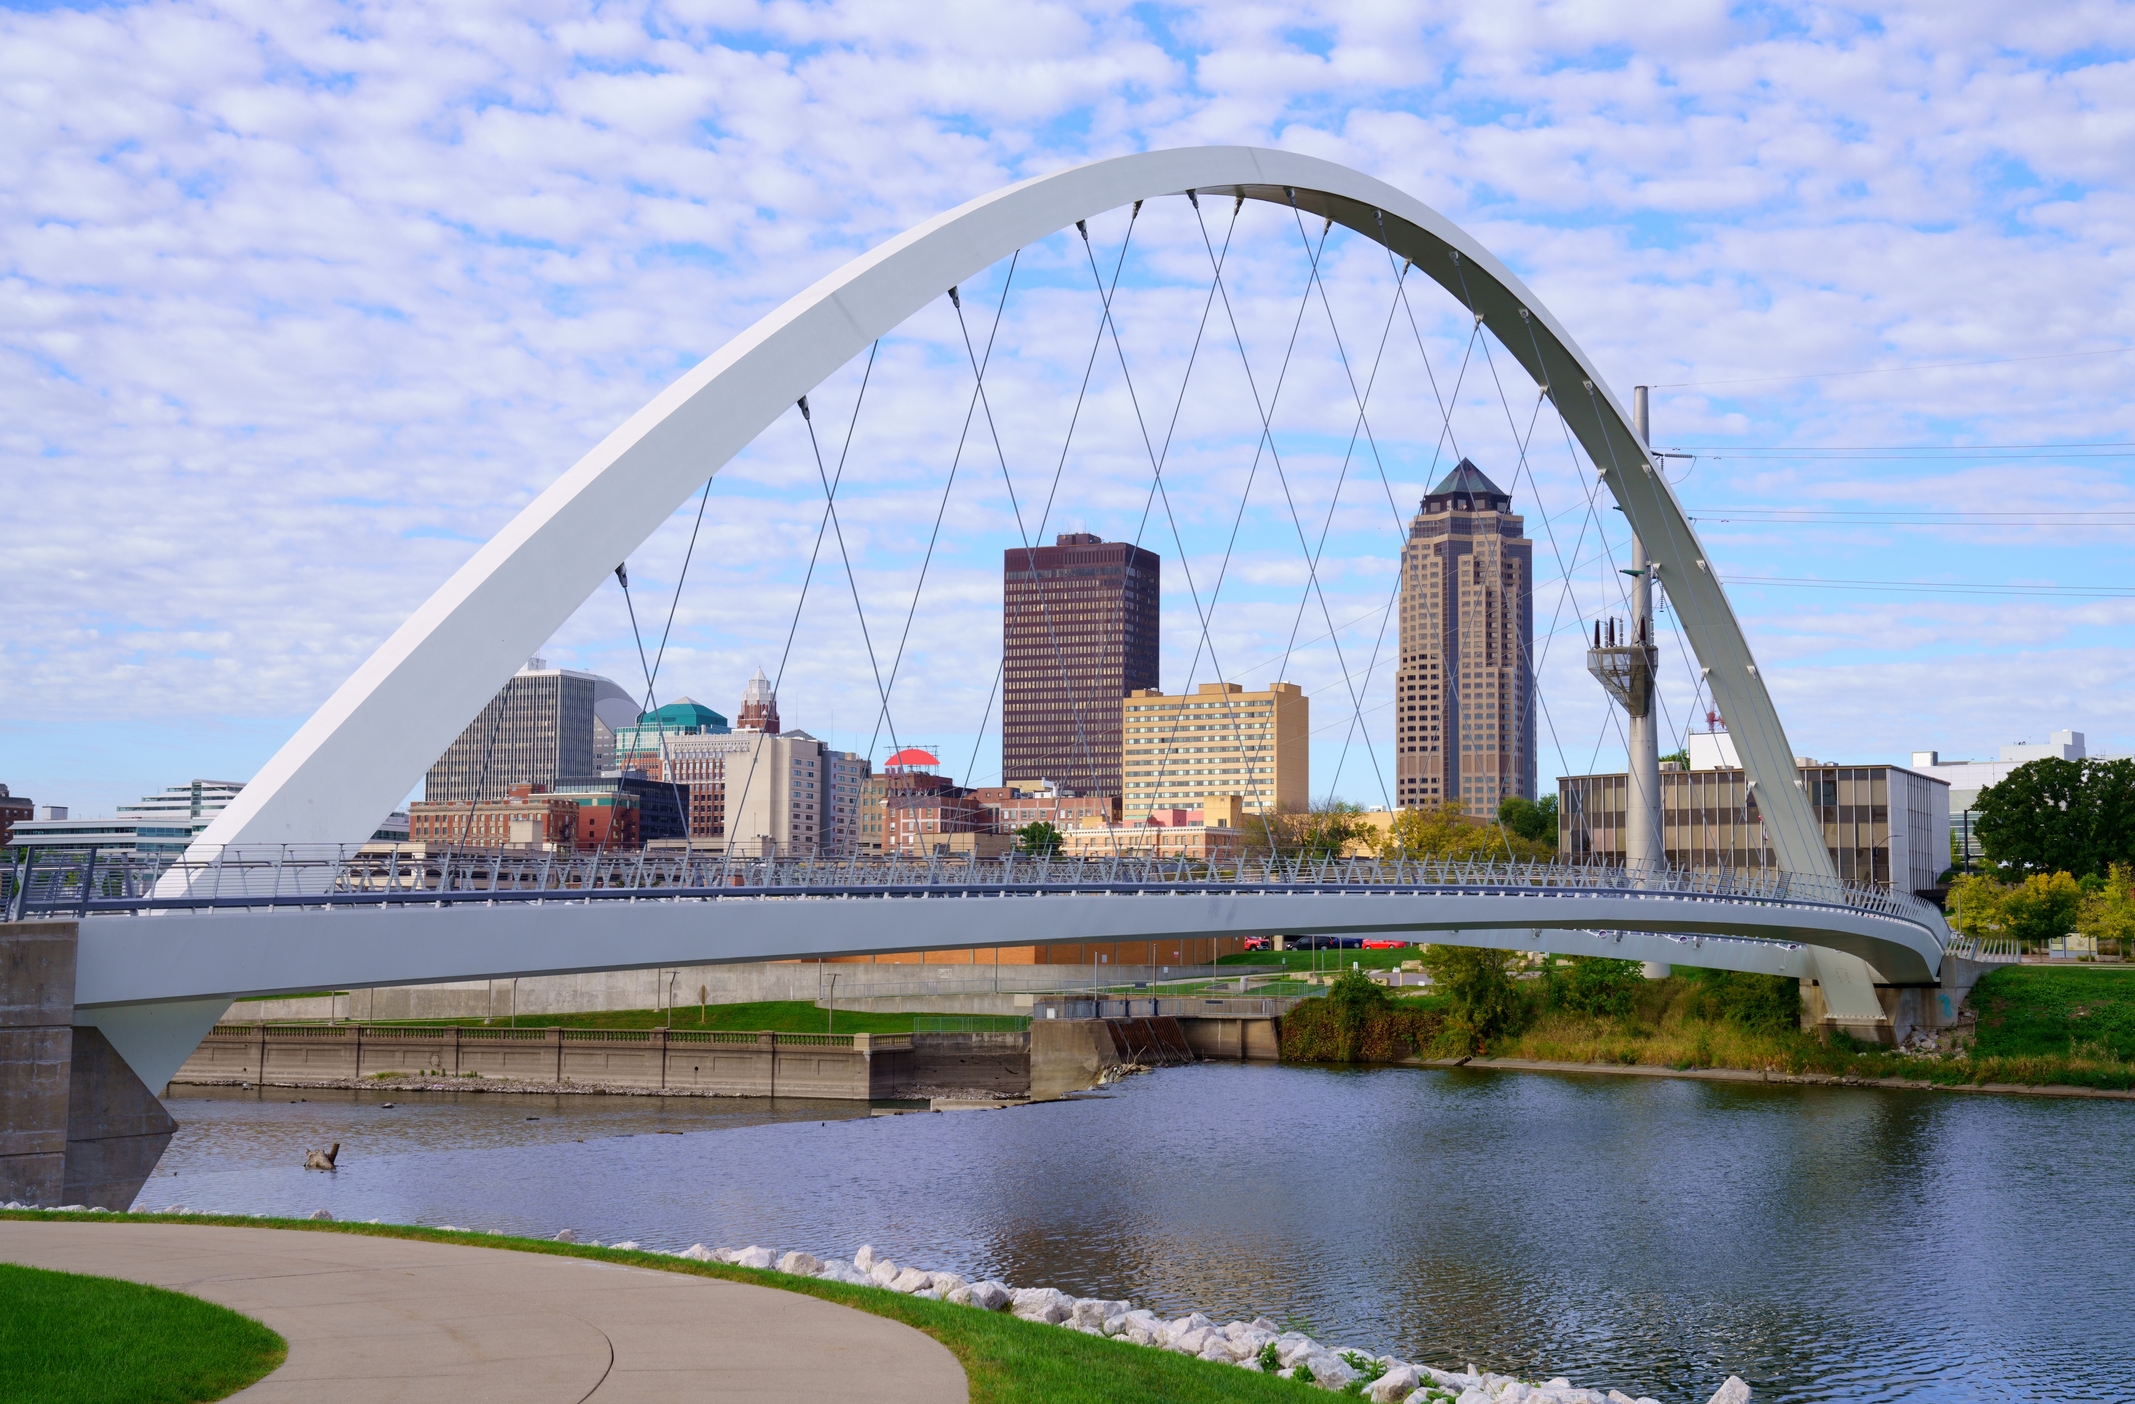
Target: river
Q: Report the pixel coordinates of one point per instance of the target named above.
(1652, 1235)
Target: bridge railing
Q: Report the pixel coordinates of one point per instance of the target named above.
(90, 881)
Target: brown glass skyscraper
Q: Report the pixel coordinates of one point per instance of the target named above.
(1078, 633)
(1464, 728)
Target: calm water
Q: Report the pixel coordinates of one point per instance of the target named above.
(1651, 1235)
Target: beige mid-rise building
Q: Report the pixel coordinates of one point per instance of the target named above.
(1218, 739)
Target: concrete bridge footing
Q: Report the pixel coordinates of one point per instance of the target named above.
(76, 1125)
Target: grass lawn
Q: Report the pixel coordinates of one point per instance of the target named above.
(70, 1339)
(2033, 1011)
(1007, 1361)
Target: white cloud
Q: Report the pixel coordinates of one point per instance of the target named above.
(304, 301)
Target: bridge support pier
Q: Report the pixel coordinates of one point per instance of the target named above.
(76, 1125)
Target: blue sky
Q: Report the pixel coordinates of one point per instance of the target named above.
(302, 302)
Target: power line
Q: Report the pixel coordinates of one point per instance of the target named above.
(1894, 370)
(1784, 517)
(2103, 592)
(1952, 450)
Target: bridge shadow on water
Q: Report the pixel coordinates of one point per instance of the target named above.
(1651, 1235)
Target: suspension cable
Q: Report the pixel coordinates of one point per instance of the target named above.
(793, 626)
(955, 462)
(1029, 549)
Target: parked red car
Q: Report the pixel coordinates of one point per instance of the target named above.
(1378, 945)
(1260, 943)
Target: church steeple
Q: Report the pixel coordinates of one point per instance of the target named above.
(759, 706)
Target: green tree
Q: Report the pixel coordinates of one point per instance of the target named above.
(2042, 908)
(1533, 820)
(1039, 839)
(1593, 984)
(1975, 905)
(1483, 1002)
(1329, 829)
(2059, 816)
(2108, 914)
(1449, 832)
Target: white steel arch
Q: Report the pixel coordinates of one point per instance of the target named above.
(366, 746)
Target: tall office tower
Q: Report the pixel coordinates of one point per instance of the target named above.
(1464, 698)
(544, 726)
(1078, 633)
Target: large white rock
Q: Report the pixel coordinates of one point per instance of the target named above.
(801, 1264)
(1137, 1336)
(1216, 1350)
(1291, 1349)
(1095, 1311)
(1191, 1342)
(1141, 1319)
(912, 1280)
(991, 1296)
(1735, 1391)
(754, 1257)
(1472, 1395)
(947, 1282)
(1329, 1371)
(697, 1253)
(883, 1272)
(1047, 1304)
(865, 1258)
(1397, 1383)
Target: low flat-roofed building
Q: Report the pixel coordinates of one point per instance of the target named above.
(1213, 832)
(1883, 824)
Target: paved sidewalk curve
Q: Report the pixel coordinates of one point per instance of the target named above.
(398, 1321)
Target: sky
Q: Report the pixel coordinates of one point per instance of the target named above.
(300, 303)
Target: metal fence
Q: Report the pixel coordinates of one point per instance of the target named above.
(90, 882)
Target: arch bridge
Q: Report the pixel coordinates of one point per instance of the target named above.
(265, 902)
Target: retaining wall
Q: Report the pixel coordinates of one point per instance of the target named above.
(848, 1067)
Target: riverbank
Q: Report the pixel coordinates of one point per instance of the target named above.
(1034, 1345)
(2024, 1030)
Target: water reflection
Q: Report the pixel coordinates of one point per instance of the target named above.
(1653, 1235)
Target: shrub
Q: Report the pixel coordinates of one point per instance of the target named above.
(1762, 1002)
(1592, 985)
(1358, 1022)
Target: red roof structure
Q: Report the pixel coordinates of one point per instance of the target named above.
(911, 758)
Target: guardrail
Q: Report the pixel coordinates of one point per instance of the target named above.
(89, 882)
(1985, 951)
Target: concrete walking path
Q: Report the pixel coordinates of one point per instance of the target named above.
(400, 1321)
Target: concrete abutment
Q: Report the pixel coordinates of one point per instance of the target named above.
(76, 1125)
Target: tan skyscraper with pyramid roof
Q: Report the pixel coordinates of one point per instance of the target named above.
(1464, 696)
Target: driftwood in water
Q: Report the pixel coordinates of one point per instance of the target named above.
(314, 1160)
